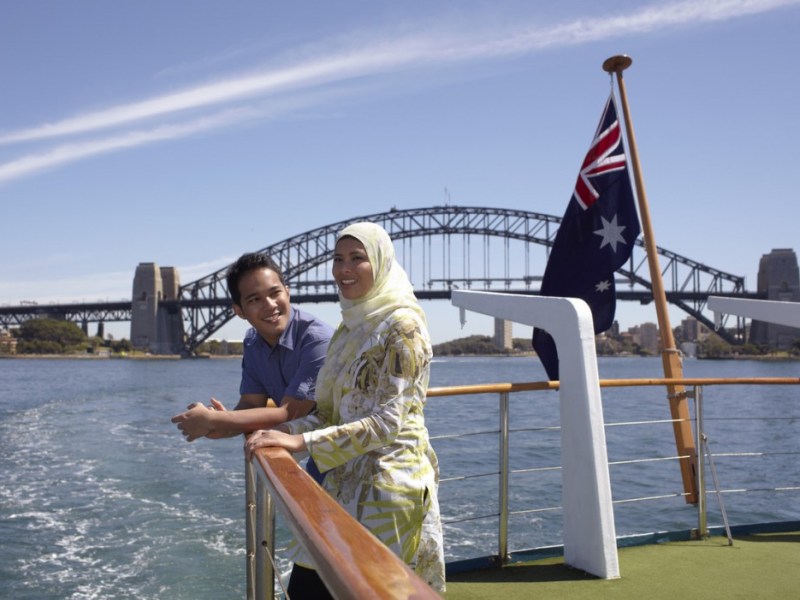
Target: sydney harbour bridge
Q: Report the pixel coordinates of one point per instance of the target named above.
(442, 248)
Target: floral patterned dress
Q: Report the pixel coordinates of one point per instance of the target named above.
(368, 435)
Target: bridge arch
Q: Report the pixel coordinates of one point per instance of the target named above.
(456, 251)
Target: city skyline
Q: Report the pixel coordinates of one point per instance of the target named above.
(134, 134)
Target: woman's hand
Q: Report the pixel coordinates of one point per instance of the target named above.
(264, 438)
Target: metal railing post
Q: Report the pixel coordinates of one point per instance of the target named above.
(265, 544)
(502, 550)
(260, 537)
(250, 527)
(702, 507)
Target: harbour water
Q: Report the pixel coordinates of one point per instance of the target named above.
(102, 498)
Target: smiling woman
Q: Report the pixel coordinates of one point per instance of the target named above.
(351, 268)
(369, 434)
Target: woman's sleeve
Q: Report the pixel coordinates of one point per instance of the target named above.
(309, 422)
(390, 378)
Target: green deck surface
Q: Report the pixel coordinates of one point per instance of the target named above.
(765, 565)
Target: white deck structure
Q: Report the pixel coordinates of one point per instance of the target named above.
(769, 311)
(589, 530)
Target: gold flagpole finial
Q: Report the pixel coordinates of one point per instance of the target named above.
(617, 64)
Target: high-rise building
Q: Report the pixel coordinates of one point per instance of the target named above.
(649, 337)
(502, 334)
(778, 279)
(692, 330)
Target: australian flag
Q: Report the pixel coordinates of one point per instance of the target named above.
(596, 235)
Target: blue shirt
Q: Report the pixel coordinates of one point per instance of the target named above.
(290, 367)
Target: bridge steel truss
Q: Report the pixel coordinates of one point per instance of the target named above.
(446, 235)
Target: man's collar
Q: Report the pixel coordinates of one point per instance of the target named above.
(287, 337)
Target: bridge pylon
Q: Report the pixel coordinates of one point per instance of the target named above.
(156, 326)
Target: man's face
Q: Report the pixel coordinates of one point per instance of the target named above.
(265, 303)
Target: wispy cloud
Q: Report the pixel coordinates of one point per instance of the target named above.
(340, 66)
(109, 286)
(71, 152)
(32, 163)
(91, 287)
(306, 75)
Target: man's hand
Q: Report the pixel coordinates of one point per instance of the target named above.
(216, 404)
(213, 434)
(195, 422)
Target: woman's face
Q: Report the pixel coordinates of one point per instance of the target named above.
(351, 269)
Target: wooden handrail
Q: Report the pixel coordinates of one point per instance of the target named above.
(498, 388)
(351, 561)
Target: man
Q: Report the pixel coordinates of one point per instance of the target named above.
(283, 351)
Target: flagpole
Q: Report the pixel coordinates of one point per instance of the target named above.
(670, 358)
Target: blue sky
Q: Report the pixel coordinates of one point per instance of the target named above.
(186, 133)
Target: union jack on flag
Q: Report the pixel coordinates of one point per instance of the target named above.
(605, 156)
(596, 235)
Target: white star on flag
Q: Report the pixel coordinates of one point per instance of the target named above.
(611, 233)
(603, 286)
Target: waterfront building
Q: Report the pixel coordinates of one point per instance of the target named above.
(502, 334)
(778, 279)
(649, 338)
(8, 343)
(692, 330)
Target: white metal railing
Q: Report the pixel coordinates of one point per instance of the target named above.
(268, 489)
(695, 391)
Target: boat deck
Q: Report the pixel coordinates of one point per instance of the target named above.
(758, 565)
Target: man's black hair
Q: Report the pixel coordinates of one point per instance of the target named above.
(246, 263)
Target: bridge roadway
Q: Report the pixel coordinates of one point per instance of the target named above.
(456, 246)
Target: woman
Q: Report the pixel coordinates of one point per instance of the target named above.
(368, 433)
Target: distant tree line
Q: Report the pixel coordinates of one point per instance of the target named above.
(480, 344)
(715, 347)
(221, 348)
(53, 336)
(484, 345)
(48, 336)
(606, 345)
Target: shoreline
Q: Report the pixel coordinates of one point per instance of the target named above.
(90, 357)
(760, 357)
